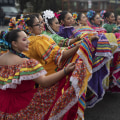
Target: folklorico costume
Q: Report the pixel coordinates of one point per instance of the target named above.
(111, 82)
(20, 100)
(101, 54)
(60, 41)
(46, 51)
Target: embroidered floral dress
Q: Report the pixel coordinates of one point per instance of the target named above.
(101, 54)
(20, 100)
(48, 53)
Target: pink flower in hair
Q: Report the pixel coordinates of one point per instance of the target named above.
(56, 15)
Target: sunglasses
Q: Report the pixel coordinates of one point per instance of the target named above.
(39, 24)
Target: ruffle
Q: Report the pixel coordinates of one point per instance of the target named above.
(78, 78)
(86, 54)
(28, 70)
(15, 82)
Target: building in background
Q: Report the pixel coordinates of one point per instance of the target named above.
(85, 5)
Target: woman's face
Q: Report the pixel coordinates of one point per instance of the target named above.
(36, 27)
(111, 18)
(118, 19)
(55, 25)
(68, 20)
(83, 19)
(96, 20)
(42, 23)
(22, 42)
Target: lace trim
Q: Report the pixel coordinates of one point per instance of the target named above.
(81, 115)
(102, 64)
(70, 105)
(14, 83)
(115, 80)
(108, 55)
(74, 82)
(85, 61)
(95, 100)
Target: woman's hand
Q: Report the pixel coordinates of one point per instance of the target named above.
(78, 44)
(94, 37)
(70, 68)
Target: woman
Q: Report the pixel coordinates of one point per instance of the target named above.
(110, 25)
(19, 98)
(66, 29)
(41, 21)
(101, 53)
(52, 27)
(118, 22)
(81, 20)
(113, 67)
(46, 51)
(94, 21)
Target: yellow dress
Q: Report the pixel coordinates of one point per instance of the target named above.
(44, 49)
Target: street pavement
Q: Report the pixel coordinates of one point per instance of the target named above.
(106, 109)
(2, 28)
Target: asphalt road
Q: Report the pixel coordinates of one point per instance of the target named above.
(107, 109)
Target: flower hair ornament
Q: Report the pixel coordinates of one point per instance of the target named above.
(102, 14)
(4, 45)
(75, 15)
(57, 15)
(90, 14)
(22, 25)
(48, 14)
(12, 23)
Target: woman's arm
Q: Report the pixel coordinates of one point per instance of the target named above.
(47, 81)
(74, 40)
(68, 53)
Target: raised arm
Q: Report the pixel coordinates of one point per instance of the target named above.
(68, 53)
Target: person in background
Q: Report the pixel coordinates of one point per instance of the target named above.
(110, 25)
(19, 98)
(118, 22)
(52, 27)
(2, 17)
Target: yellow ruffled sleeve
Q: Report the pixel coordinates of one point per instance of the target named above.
(47, 49)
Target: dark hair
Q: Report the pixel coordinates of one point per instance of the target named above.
(49, 22)
(1, 34)
(18, 16)
(79, 16)
(37, 15)
(10, 36)
(107, 14)
(31, 21)
(62, 15)
(93, 16)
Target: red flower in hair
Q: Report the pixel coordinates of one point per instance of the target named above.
(56, 15)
